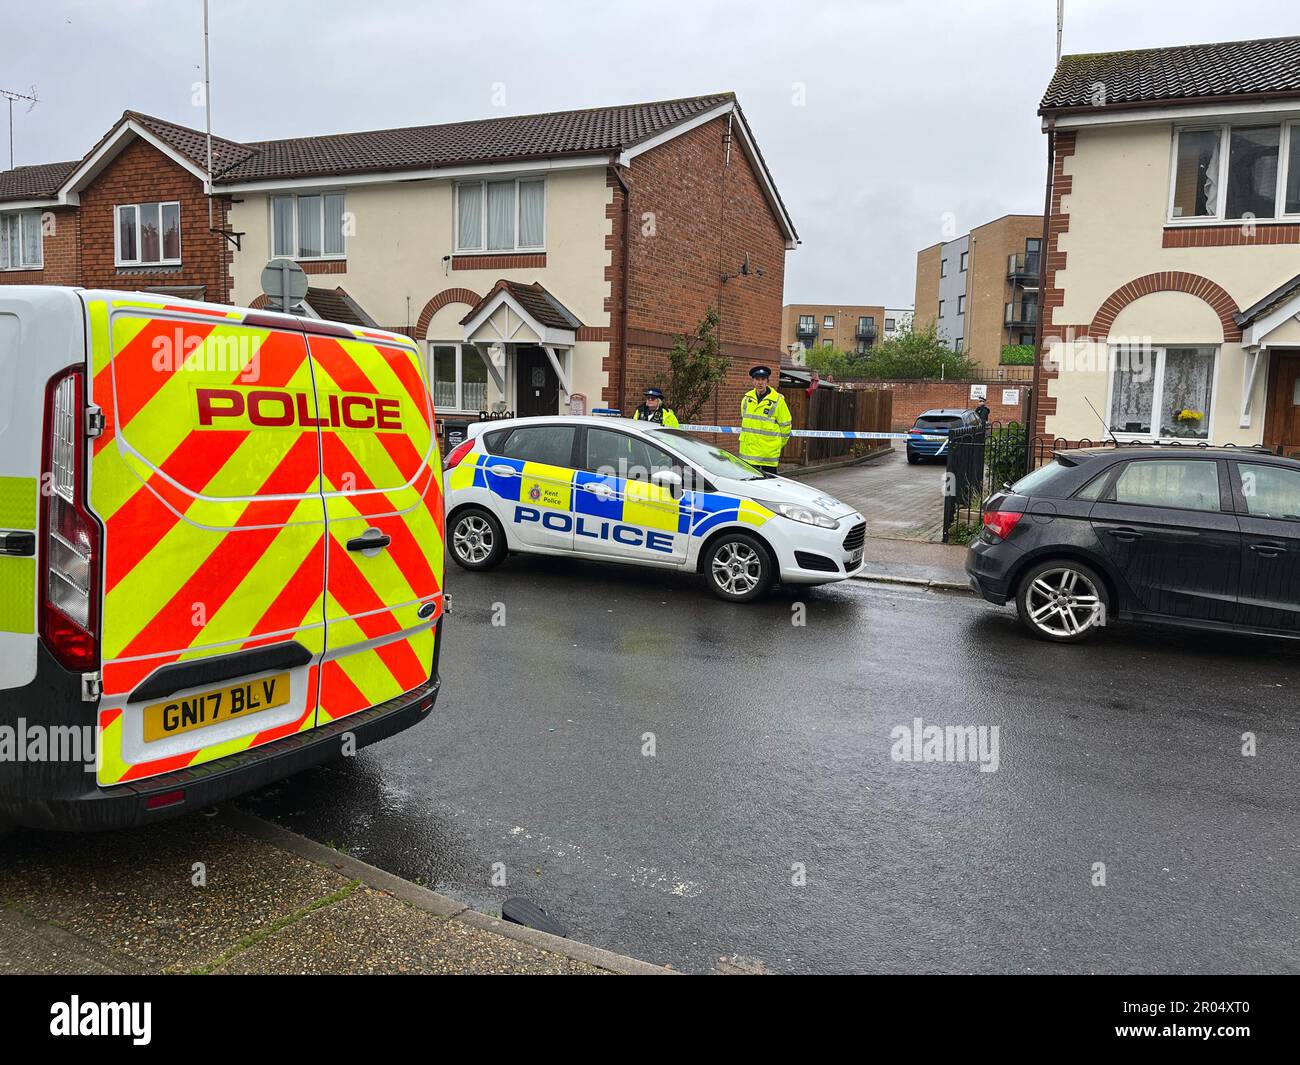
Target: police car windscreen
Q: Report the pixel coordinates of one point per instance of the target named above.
(710, 459)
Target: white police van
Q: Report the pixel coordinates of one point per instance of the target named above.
(614, 490)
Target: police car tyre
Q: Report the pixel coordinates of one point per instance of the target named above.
(738, 567)
(1062, 601)
(477, 540)
(913, 457)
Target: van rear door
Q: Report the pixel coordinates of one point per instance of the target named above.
(207, 479)
(383, 504)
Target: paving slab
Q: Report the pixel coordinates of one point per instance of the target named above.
(899, 500)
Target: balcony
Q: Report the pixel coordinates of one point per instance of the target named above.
(806, 331)
(866, 330)
(1022, 268)
(1020, 313)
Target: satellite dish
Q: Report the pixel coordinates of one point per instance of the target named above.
(285, 282)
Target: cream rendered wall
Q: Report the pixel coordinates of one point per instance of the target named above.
(1117, 214)
(404, 228)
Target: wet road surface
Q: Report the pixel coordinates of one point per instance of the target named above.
(772, 753)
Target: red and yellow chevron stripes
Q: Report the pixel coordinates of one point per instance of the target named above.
(378, 645)
(217, 536)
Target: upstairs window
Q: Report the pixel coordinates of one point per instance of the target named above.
(501, 216)
(1234, 173)
(309, 226)
(148, 234)
(828, 321)
(21, 241)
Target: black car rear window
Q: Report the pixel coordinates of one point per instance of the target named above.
(944, 421)
(1038, 482)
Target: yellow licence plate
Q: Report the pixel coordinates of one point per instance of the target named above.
(209, 708)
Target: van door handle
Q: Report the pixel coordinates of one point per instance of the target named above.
(1124, 534)
(370, 540)
(1268, 550)
(17, 543)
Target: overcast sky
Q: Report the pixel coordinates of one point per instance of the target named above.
(877, 117)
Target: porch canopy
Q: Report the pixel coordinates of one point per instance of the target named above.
(514, 313)
(1273, 322)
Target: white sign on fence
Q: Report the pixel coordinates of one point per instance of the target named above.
(979, 391)
(1011, 397)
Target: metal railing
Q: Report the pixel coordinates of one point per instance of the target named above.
(1021, 312)
(1023, 266)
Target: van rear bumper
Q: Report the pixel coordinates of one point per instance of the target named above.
(76, 803)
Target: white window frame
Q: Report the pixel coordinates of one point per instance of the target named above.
(463, 352)
(294, 197)
(463, 187)
(1158, 394)
(138, 262)
(1290, 128)
(828, 321)
(23, 264)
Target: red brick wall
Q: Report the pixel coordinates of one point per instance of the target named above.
(912, 398)
(142, 174)
(706, 217)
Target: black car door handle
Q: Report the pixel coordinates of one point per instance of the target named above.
(370, 540)
(1268, 550)
(1125, 534)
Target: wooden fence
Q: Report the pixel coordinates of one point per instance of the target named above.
(859, 411)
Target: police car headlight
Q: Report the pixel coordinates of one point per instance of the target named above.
(802, 513)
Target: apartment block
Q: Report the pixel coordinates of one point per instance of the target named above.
(981, 289)
(849, 327)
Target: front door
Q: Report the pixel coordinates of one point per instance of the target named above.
(537, 389)
(1282, 419)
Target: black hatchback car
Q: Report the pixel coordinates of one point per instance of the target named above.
(1203, 537)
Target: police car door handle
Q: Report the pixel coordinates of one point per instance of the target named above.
(370, 540)
(502, 471)
(598, 489)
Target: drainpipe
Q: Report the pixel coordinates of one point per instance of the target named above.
(622, 316)
(1044, 249)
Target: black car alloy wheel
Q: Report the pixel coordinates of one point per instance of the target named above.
(1062, 600)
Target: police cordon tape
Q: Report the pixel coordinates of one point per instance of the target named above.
(821, 434)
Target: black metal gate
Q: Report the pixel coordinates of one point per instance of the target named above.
(980, 461)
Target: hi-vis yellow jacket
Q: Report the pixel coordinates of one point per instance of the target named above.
(764, 427)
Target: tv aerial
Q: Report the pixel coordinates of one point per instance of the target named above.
(11, 95)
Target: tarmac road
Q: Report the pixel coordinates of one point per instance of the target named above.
(772, 752)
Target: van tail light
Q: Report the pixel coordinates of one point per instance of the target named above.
(71, 541)
(1001, 522)
(461, 450)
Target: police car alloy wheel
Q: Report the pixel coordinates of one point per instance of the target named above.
(738, 568)
(1062, 600)
(477, 539)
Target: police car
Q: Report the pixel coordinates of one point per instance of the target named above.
(614, 490)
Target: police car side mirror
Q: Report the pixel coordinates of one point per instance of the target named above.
(670, 479)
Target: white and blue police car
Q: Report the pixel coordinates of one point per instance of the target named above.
(615, 490)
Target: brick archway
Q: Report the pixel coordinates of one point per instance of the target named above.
(1168, 281)
(447, 296)
(260, 302)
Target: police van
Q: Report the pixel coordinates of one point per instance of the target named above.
(615, 490)
(220, 550)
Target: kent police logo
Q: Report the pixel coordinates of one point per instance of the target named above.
(535, 493)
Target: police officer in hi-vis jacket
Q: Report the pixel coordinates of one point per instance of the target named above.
(654, 410)
(764, 423)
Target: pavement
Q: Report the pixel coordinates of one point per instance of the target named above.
(228, 893)
(899, 500)
(715, 787)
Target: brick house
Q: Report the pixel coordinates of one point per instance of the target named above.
(545, 261)
(1171, 294)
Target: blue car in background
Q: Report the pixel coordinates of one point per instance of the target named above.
(928, 438)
